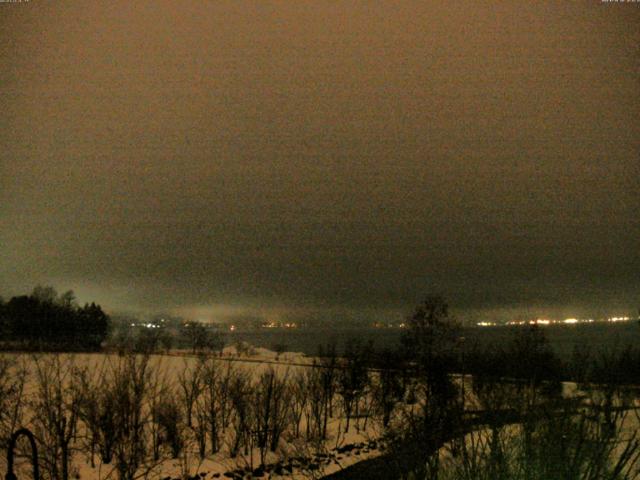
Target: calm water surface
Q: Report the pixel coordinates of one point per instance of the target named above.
(563, 338)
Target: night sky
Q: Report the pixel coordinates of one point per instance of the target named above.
(322, 159)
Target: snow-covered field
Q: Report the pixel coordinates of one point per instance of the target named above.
(299, 453)
(246, 394)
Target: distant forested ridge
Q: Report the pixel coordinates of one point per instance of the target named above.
(45, 320)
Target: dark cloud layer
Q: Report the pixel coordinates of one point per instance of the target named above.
(322, 156)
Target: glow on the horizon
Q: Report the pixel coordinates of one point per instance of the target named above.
(566, 321)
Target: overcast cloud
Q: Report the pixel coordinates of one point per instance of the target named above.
(322, 158)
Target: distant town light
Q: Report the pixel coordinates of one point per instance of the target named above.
(566, 321)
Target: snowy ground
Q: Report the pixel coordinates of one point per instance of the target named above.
(295, 458)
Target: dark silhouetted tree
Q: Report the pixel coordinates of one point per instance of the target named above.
(430, 346)
(354, 377)
(43, 320)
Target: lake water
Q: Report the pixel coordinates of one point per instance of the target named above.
(563, 338)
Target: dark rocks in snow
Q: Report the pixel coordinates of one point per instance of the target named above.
(258, 472)
(346, 448)
(311, 464)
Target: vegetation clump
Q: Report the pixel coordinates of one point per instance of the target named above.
(45, 320)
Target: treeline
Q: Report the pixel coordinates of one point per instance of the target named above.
(45, 320)
(528, 356)
(194, 336)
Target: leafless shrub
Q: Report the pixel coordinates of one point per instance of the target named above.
(158, 390)
(190, 385)
(243, 349)
(299, 393)
(168, 416)
(271, 400)
(94, 413)
(387, 389)
(239, 396)
(213, 406)
(56, 406)
(200, 428)
(316, 411)
(560, 442)
(13, 375)
(353, 379)
(128, 383)
(224, 397)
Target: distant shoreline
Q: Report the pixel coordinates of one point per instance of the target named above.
(563, 338)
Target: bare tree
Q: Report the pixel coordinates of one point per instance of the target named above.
(89, 414)
(353, 378)
(299, 393)
(190, 386)
(388, 388)
(279, 348)
(168, 416)
(271, 408)
(214, 401)
(328, 360)
(56, 406)
(201, 426)
(224, 397)
(429, 345)
(201, 337)
(158, 390)
(318, 405)
(128, 382)
(13, 375)
(239, 395)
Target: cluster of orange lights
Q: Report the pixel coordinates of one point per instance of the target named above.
(280, 325)
(545, 321)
